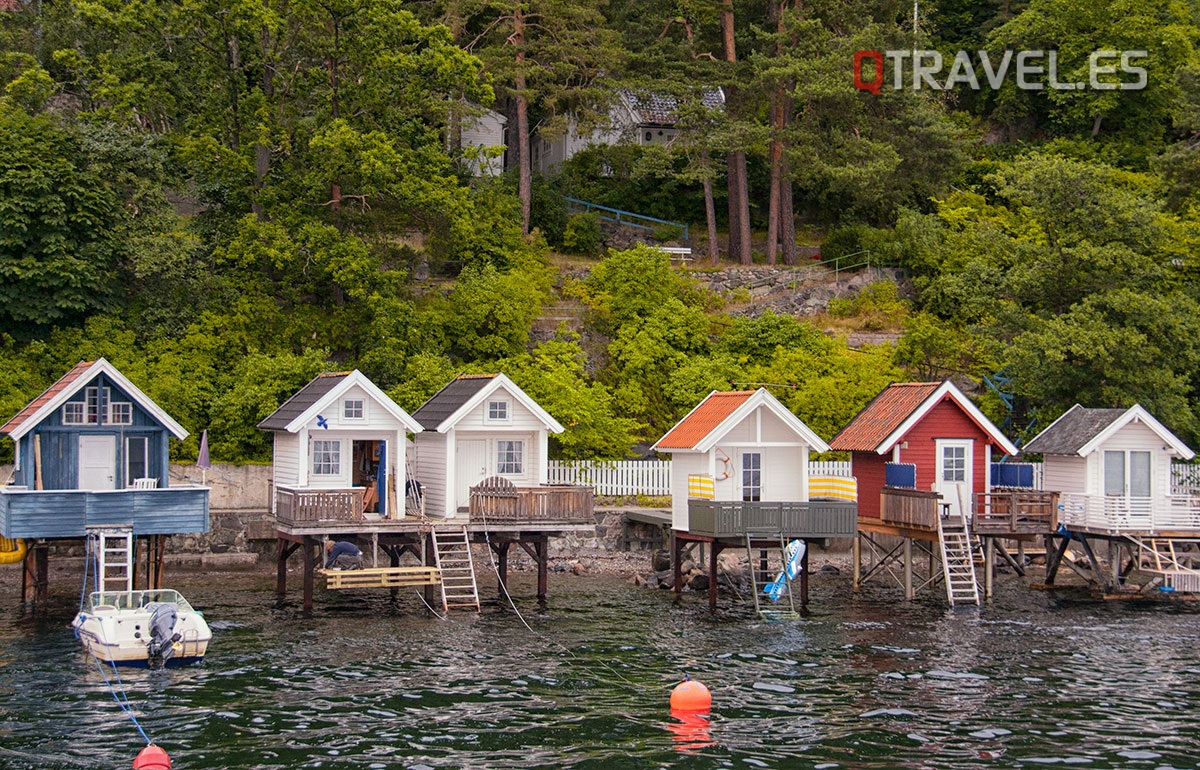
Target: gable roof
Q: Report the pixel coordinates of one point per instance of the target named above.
(720, 412)
(1079, 431)
(445, 408)
(900, 406)
(68, 385)
(657, 109)
(324, 390)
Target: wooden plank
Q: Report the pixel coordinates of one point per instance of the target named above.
(383, 577)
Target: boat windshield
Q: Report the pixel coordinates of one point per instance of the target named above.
(128, 600)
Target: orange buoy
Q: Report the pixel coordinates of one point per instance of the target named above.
(690, 695)
(152, 758)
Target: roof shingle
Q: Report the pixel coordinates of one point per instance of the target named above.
(302, 400)
(703, 420)
(450, 399)
(63, 383)
(1073, 430)
(880, 418)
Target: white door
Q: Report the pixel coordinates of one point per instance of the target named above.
(97, 462)
(470, 468)
(954, 477)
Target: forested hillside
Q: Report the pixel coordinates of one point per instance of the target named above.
(226, 197)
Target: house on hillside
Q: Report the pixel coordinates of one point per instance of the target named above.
(93, 449)
(485, 131)
(1112, 468)
(477, 427)
(339, 451)
(737, 446)
(925, 436)
(637, 119)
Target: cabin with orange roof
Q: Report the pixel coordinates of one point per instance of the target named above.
(739, 478)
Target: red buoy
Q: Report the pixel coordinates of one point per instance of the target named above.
(152, 758)
(690, 695)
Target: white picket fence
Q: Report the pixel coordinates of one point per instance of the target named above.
(620, 478)
(624, 478)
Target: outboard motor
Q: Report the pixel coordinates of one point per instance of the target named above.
(163, 616)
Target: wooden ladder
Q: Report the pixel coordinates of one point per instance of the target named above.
(452, 551)
(759, 578)
(112, 548)
(958, 561)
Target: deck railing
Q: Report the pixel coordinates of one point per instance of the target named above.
(735, 518)
(528, 505)
(312, 506)
(912, 508)
(1123, 515)
(1015, 512)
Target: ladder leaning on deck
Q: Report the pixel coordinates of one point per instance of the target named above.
(760, 578)
(112, 550)
(452, 551)
(1175, 568)
(958, 561)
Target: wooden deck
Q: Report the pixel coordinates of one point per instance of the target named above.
(909, 509)
(383, 577)
(67, 513)
(1015, 512)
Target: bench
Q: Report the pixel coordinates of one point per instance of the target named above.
(383, 577)
(681, 253)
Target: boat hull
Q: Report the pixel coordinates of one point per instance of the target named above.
(120, 633)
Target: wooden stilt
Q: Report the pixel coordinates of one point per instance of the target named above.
(543, 548)
(908, 570)
(311, 549)
(804, 580)
(1054, 556)
(28, 575)
(1097, 570)
(41, 584)
(501, 549)
(857, 562)
(429, 559)
(713, 552)
(1017, 566)
(989, 565)
(283, 551)
(677, 564)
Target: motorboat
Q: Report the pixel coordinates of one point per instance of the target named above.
(151, 628)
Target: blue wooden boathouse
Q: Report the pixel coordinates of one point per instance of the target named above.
(92, 451)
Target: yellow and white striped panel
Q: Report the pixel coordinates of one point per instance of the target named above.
(700, 486)
(833, 487)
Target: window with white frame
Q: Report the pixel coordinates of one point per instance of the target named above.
(93, 400)
(752, 477)
(120, 413)
(510, 457)
(497, 411)
(326, 458)
(137, 454)
(354, 409)
(954, 463)
(73, 413)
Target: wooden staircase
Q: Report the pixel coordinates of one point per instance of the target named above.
(112, 548)
(452, 551)
(958, 561)
(1174, 567)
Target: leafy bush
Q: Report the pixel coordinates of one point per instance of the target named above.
(583, 235)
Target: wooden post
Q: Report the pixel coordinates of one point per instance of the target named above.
(908, 569)
(542, 544)
(41, 584)
(676, 564)
(804, 580)
(989, 565)
(1097, 572)
(311, 549)
(501, 549)
(1054, 555)
(856, 547)
(429, 559)
(712, 575)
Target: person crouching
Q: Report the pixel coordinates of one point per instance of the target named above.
(342, 555)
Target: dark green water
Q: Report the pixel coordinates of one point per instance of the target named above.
(370, 682)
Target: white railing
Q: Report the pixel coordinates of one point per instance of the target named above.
(1185, 478)
(620, 478)
(1102, 513)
